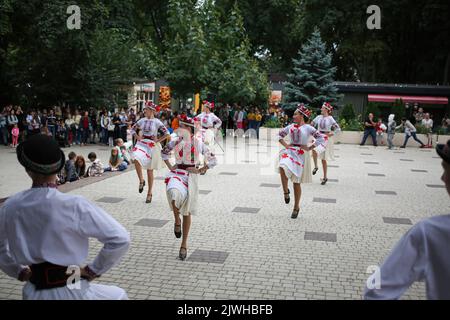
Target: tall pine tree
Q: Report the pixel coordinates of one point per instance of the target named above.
(312, 79)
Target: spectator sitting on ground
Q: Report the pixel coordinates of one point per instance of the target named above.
(96, 167)
(421, 254)
(80, 167)
(69, 167)
(115, 162)
(124, 149)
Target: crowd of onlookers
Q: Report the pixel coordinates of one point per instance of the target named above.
(383, 133)
(88, 126)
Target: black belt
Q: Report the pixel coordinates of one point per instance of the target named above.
(185, 166)
(48, 276)
(325, 131)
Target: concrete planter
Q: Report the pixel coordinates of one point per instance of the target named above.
(355, 137)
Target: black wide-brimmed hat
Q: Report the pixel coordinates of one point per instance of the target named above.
(41, 154)
(444, 151)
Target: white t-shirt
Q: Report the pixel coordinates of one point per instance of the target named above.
(421, 254)
(427, 123)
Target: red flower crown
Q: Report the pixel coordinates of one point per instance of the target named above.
(304, 110)
(208, 104)
(328, 106)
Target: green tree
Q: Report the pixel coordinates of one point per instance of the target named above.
(312, 79)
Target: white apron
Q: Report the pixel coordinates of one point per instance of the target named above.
(148, 154)
(186, 185)
(307, 175)
(328, 154)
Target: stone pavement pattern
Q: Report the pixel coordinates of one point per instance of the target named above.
(260, 253)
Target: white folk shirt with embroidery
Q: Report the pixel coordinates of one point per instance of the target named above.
(301, 134)
(183, 151)
(44, 225)
(421, 254)
(209, 120)
(150, 127)
(325, 124)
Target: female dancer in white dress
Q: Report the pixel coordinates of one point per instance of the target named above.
(292, 157)
(328, 127)
(182, 180)
(210, 123)
(147, 152)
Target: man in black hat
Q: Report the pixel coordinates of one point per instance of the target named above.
(422, 254)
(43, 232)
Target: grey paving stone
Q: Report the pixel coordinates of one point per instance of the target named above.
(228, 173)
(391, 220)
(246, 210)
(367, 154)
(110, 200)
(324, 200)
(388, 193)
(208, 256)
(320, 236)
(416, 170)
(376, 175)
(332, 166)
(333, 180)
(270, 185)
(438, 186)
(371, 162)
(407, 160)
(153, 223)
(205, 192)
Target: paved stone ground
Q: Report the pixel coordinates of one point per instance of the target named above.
(263, 254)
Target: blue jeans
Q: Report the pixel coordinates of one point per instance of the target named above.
(123, 166)
(105, 135)
(4, 135)
(79, 135)
(413, 134)
(372, 133)
(52, 130)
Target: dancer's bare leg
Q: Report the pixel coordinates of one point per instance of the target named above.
(150, 181)
(139, 171)
(298, 195)
(284, 180)
(314, 154)
(176, 214)
(186, 227)
(325, 169)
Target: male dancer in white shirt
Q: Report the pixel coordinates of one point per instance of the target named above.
(43, 232)
(420, 255)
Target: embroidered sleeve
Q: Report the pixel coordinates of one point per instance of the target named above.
(135, 127)
(319, 138)
(162, 129)
(165, 153)
(217, 122)
(335, 126)
(283, 133)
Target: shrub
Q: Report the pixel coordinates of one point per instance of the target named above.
(354, 124)
(272, 123)
(348, 112)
